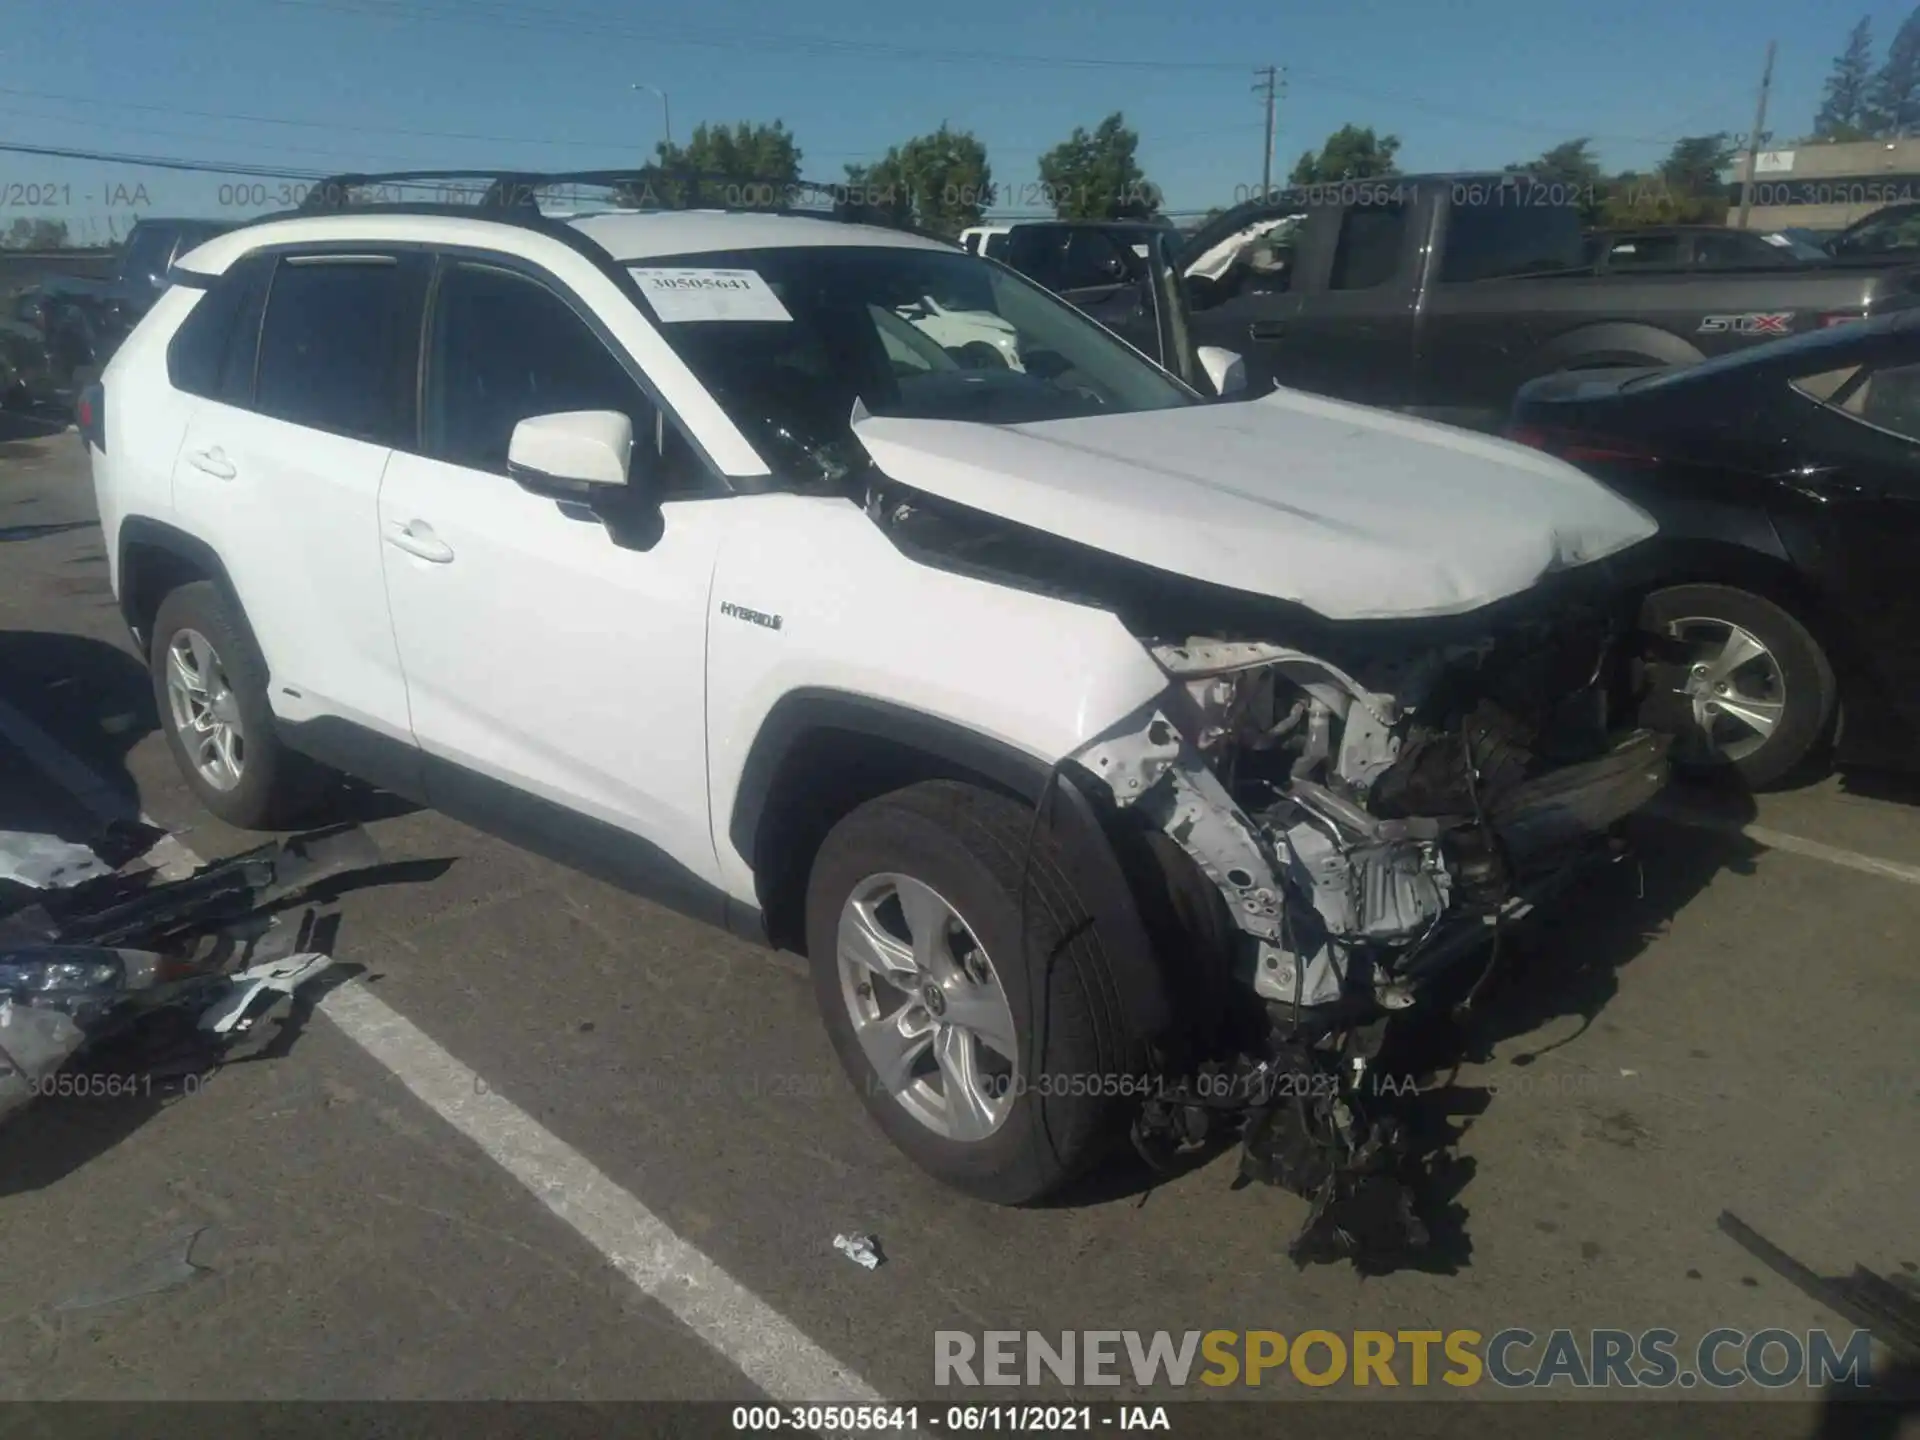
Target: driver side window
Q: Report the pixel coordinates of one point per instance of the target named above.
(503, 348)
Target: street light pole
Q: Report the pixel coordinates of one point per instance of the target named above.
(666, 114)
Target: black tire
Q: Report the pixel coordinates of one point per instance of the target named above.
(1812, 692)
(277, 787)
(967, 844)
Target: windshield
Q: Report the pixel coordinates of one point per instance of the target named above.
(920, 334)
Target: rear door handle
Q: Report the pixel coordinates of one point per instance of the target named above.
(1266, 330)
(213, 460)
(416, 537)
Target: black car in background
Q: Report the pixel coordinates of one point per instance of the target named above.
(1441, 295)
(1696, 247)
(1786, 481)
(53, 336)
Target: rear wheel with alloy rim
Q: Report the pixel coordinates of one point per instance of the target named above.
(210, 687)
(1761, 690)
(997, 1060)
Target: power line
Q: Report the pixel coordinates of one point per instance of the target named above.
(246, 119)
(523, 17)
(343, 161)
(237, 117)
(166, 162)
(549, 20)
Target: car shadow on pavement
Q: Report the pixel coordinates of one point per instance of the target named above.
(97, 700)
(94, 698)
(1888, 785)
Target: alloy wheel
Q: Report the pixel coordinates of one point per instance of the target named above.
(206, 713)
(1735, 685)
(927, 1007)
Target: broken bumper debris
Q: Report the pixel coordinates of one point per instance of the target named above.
(1370, 826)
(91, 956)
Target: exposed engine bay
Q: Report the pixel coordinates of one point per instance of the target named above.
(1370, 830)
(1371, 802)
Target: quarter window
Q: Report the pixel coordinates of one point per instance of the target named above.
(331, 347)
(212, 353)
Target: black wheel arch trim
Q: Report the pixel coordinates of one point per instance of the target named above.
(1092, 861)
(1615, 341)
(143, 531)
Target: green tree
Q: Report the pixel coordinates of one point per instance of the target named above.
(1095, 176)
(1694, 166)
(1351, 153)
(1893, 103)
(1685, 190)
(746, 164)
(1572, 166)
(1845, 112)
(940, 182)
(25, 234)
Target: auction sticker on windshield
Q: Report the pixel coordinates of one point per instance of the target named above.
(678, 295)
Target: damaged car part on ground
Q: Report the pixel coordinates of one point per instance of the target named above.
(191, 965)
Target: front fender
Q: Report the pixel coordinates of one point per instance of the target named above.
(810, 596)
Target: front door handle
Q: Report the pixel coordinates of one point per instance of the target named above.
(417, 539)
(213, 460)
(1266, 330)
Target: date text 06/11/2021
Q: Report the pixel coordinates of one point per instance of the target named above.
(954, 1419)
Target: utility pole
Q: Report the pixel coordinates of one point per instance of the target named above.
(666, 112)
(1753, 140)
(1268, 87)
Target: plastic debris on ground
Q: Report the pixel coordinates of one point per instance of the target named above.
(863, 1250)
(166, 1267)
(46, 862)
(116, 959)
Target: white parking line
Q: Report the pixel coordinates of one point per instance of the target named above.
(1793, 844)
(756, 1339)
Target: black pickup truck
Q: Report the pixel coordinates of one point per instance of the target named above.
(1442, 295)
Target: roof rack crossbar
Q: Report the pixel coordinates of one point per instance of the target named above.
(516, 195)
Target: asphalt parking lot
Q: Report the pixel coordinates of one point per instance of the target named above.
(1728, 1024)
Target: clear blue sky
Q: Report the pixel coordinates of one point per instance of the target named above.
(545, 83)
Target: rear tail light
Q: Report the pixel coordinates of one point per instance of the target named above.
(1842, 317)
(90, 415)
(1581, 449)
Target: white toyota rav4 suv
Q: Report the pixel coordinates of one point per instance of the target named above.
(1114, 753)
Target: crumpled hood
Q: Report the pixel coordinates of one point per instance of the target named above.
(1355, 513)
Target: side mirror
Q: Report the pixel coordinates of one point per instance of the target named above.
(1224, 368)
(572, 455)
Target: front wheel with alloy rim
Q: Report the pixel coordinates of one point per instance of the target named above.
(1760, 689)
(210, 687)
(999, 1067)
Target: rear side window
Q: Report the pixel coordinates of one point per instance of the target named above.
(331, 347)
(1368, 253)
(1644, 252)
(211, 354)
(1492, 242)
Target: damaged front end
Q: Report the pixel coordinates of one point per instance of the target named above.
(1369, 824)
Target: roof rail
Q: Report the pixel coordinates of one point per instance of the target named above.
(516, 195)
